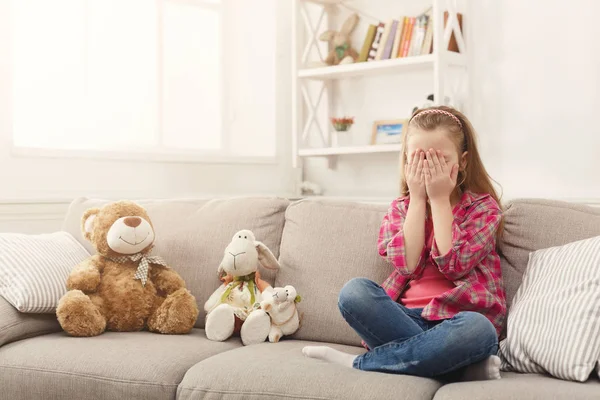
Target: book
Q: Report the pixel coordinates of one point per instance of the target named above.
(384, 37)
(419, 35)
(426, 25)
(364, 52)
(389, 44)
(375, 45)
(452, 45)
(407, 39)
(428, 40)
(398, 37)
(414, 38)
(403, 36)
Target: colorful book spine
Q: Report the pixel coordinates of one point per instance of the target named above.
(376, 41)
(407, 40)
(384, 38)
(423, 34)
(397, 38)
(420, 36)
(403, 36)
(389, 44)
(428, 40)
(364, 52)
(413, 38)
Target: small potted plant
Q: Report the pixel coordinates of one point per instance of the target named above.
(342, 124)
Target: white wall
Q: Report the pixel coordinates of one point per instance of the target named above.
(536, 95)
(35, 179)
(534, 84)
(534, 102)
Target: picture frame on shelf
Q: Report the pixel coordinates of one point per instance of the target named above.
(388, 131)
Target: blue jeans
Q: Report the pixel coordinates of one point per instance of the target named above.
(402, 342)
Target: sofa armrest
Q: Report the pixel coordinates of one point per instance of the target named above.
(15, 325)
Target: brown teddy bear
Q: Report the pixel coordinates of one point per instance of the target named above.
(122, 288)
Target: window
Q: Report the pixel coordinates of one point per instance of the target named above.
(162, 76)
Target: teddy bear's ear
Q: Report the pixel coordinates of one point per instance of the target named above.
(87, 222)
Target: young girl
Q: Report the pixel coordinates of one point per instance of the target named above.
(443, 306)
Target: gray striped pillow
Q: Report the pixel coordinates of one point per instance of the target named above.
(554, 322)
(34, 269)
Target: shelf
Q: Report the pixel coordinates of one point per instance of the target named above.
(336, 151)
(379, 67)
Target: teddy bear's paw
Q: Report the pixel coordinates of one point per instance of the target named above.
(176, 315)
(79, 316)
(256, 328)
(220, 323)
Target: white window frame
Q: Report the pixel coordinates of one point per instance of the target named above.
(160, 153)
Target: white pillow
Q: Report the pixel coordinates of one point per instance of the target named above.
(554, 322)
(34, 269)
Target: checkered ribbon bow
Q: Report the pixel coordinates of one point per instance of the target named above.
(144, 262)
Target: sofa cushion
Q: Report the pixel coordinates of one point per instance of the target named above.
(554, 323)
(278, 371)
(34, 269)
(134, 365)
(324, 245)
(515, 386)
(191, 235)
(532, 225)
(16, 326)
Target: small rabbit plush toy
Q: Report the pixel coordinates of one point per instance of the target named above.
(281, 307)
(340, 49)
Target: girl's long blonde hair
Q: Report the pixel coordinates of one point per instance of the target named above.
(474, 176)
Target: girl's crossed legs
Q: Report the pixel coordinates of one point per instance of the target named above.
(402, 342)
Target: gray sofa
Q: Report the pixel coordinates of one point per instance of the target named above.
(321, 245)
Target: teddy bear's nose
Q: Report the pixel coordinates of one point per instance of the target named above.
(132, 221)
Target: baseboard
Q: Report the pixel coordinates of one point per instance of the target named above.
(32, 216)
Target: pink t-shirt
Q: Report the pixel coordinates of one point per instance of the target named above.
(427, 287)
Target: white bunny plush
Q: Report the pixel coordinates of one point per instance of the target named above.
(234, 306)
(281, 307)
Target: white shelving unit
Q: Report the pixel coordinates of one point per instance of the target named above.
(306, 109)
(365, 69)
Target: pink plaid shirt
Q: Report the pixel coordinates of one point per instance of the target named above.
(472, 263)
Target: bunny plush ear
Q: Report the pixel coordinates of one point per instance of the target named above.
(327, 36)
(87, 222)
(349, 25)
(265, 257)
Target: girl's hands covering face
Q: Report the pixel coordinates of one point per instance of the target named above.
(414, 176)
(440, 177)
